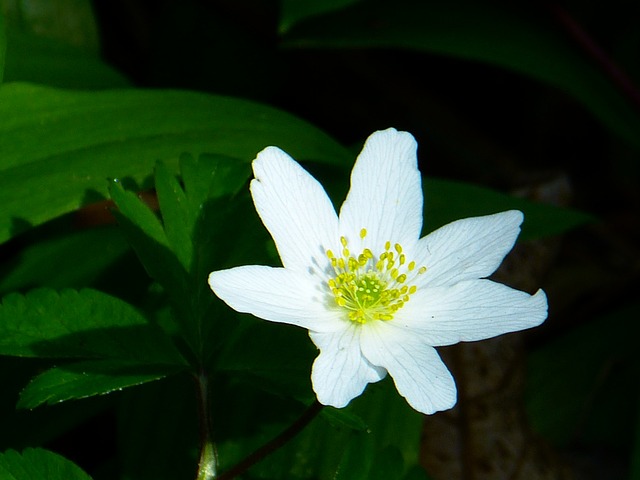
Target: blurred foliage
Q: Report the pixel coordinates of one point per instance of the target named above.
(126, 133)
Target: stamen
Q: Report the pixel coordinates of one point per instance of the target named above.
(369, 287)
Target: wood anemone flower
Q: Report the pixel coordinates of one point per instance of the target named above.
(375, 297)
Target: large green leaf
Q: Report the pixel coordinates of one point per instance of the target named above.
(56, 43)
(86, 379)
(58, 148)
(86, 323)
(30, 58)
(38, 464)
(516, 37)
(446, 201)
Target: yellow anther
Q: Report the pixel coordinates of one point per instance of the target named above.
(370, 287)
(422, 270)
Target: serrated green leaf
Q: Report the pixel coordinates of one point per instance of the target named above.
(177, 215)
(86, 379)
(84, 138)
(38, 464)
(446, 201)
(181, 251)
(145, 233)
(86, 323)
(38, 427)
(130, 206)
(516, 37)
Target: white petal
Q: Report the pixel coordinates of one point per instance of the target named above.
(276, 294)
(386, 193)
(340, 373)
(295, 209)
(467, 249)
(469, 311)
(416, 368)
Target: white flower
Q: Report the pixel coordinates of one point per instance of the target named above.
(376, 297)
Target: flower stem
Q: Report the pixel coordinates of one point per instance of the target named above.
(295, 428)
(208, 463)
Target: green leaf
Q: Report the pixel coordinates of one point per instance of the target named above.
(446, 201)
(517, 38)
(340, 418)
(86, 323)
(323, 450)
(84, 138)
(38, 464)
(45, 263)
(180, 251)
(86, 379)
(132, 207)
(30, 58)
(177, 215)
(281, 366)
(145, 233)
(184, 208)
(578, 383)
(22, 428)
(56, 43)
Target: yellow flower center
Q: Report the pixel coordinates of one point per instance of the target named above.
(371, 287)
